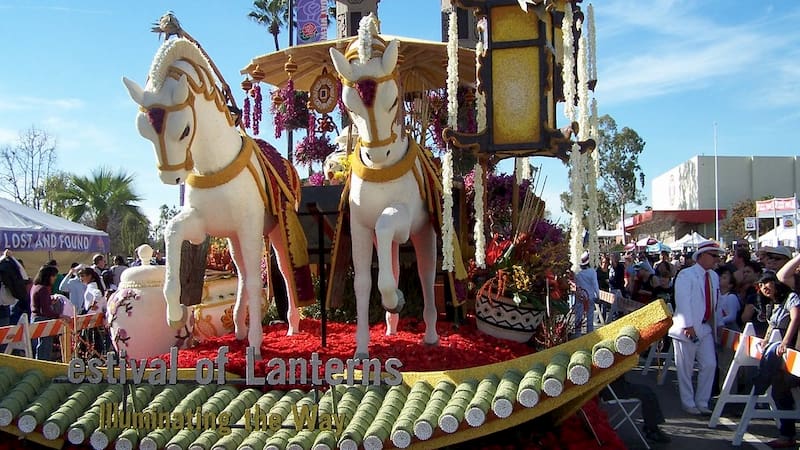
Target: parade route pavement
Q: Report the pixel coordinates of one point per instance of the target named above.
(692, 432)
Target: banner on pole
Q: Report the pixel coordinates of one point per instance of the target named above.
(776, 207)
(311, 14)
(750, 224)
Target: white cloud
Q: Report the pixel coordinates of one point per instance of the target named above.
(671, 46)
(27, 103)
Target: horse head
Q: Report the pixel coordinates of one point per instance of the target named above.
(168, 116)
(371, 91)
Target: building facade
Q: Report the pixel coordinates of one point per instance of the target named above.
(686, 197)
(691, 185)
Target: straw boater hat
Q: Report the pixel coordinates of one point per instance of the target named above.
(706, 246)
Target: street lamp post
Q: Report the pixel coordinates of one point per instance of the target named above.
(716, 186)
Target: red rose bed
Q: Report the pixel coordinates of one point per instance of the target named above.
(458, 349)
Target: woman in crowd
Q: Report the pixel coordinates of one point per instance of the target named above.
(94, 302)
(786, 319)
(755, 304)
(728, 303)
(45, 306)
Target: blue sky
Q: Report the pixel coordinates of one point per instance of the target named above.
(667, 68)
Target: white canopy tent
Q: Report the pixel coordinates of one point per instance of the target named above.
(37, 237)
(779, 236)
(692, 239)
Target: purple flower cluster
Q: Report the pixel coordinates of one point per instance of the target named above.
(256, 108)
(499, 190)
(292, 112)
(437, 102)
(246, 112)
(313, 148)
(316, 179)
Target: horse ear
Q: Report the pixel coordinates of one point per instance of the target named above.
(389, 60)
(134, 90)
(340, 64)
(181, 92)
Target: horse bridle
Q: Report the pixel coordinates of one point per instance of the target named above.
(157, 113)
(360, 86)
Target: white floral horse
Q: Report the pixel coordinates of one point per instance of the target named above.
(236, 187)
(387, 196)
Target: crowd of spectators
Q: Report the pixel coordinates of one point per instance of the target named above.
(711, 289)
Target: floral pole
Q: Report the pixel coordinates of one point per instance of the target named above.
(447, 160)
(587, 161)
(577, 176)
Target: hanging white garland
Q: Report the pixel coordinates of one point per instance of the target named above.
(479, 210)
(568, 72)
(480, 98)
(577, 183)
(592, 43)
(479, 230)
(448, 234)
(593, 171)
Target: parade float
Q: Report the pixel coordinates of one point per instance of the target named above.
(410, 383)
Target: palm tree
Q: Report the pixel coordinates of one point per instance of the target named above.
(98, 199)
(274, 14)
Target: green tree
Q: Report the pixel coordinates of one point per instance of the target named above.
(132, 233)
(166, 213)
(607, 211)
(53, 186)
(273, 14)
(733, 225)
(104, 201)
(620, 171)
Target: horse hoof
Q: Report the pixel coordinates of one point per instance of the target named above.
(361, 355)
(401, 301)
(178, 324)
(432, 344)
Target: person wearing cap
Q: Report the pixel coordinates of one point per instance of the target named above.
(692, 330)
(587, 292)
(774, 258)
(786, 319)
(643, 284)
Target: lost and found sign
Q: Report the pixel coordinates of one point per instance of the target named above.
(53, 241)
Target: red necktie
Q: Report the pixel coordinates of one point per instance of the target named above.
(707, 315)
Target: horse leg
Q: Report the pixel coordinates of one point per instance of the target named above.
(184, 226)
(239, 311)
(284, 261)
(425, 248)
(392, 227)
(245, 251)
(392, 319)
(361, 238)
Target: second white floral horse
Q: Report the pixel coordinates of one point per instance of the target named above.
(387, 195)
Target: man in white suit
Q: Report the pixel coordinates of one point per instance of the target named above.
(696, 294)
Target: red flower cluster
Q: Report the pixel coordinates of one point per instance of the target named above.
(458, 349)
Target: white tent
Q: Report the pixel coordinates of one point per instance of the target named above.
(779, 236)
(37, 237)
(688, 240)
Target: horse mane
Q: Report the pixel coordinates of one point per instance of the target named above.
(171, 51)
